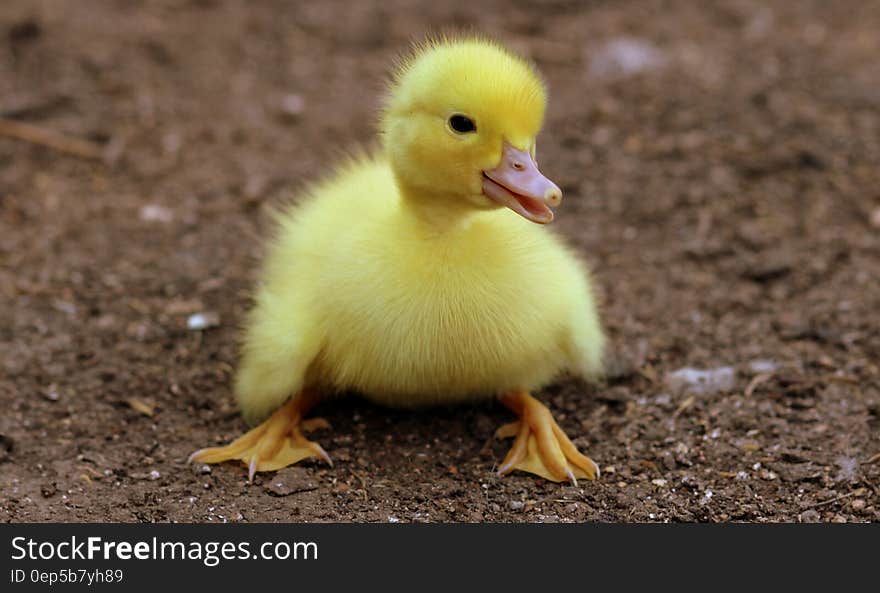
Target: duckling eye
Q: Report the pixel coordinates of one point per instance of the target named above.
(462, 124)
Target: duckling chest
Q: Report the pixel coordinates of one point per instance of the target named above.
(434, 326)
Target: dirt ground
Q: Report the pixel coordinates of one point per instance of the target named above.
(721, 164)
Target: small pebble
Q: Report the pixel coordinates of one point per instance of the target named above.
(156, 213)
(849, 468)
(623, 57)
(205, 469)
(701, 382)
(810, 516)
(516, 505)
(763, 366)
(171, 142)
(659, 482)
(200, 321)
(707, 497)
(858, 504)
(292, 105)
(155, 475)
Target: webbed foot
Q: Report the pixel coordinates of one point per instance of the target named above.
(540, 447)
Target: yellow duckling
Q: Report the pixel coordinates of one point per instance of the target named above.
(419, 276)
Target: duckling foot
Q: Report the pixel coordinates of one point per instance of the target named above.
(276, 443)
(540, 446)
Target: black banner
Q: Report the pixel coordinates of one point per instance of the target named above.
(407, 557)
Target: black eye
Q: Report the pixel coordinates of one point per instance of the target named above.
(462, 124)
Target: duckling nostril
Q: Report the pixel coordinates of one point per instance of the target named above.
(553, 197)
(518, 166)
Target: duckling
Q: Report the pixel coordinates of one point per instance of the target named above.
(425, 274)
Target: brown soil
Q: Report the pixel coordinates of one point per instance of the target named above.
(727, 196)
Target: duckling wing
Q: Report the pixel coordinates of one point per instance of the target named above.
(280, 343)
(586, 341)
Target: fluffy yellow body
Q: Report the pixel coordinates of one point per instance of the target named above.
(384, 303)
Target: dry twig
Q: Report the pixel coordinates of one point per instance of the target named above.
(687, 403)
(757, 380)
(831, 501)
(50, 139)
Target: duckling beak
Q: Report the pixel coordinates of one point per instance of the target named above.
(518, 184)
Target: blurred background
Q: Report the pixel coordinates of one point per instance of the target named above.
(721, 166)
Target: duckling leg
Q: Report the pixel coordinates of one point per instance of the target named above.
(540, 447)
(276, 443)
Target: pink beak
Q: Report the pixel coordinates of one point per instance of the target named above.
(517, 184)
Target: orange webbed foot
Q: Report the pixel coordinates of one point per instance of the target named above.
(276, 443)
(540, 446)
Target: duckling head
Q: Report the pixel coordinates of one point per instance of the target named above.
(459, 127)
